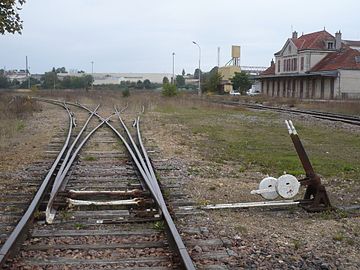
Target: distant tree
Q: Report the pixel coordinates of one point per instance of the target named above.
(212, 80)
(169, 90)
(139, 85)
(183, 72)
(180, 81)
(89, 79)
(10, 21)
(196, 73)
(165, 80)
(25, 84)
(60, 70)
(147, 84)
(241, 82)
(4, 81)
(15, 83)
(66, 82)
(126, 92)
(50, 80)
(84, 82)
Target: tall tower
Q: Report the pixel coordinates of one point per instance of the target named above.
(235, 54)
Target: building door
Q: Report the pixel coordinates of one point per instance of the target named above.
(284, 88)
(301, 88)
(307, 88)
(273, 88)
(332, 88)
(278, 89)
(293, 88)
(288, 88)
(313, 88)
(322, 88)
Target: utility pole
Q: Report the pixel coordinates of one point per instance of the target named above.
(27, 72)
(218, 62)
(173, 68)
(199, 91)
(92, 75)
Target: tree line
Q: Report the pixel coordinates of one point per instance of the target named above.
(210, 82)
(49, 80)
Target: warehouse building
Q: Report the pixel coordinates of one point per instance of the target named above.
(314, 66)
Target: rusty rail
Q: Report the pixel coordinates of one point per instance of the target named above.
(21, 228)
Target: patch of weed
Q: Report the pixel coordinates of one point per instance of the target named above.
(339, 236)
(20, 125)
(241, 229)
(79, 226)
(159, 225)
(90, 158)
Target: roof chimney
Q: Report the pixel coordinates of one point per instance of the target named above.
(294, 34)
(272, 62)
(338, 40)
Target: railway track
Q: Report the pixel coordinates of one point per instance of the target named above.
(100, 205)
(348, 119)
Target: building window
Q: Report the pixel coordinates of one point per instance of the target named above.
(330, 45)
(295, 64)
(302, 63)
(284, 68)
(279, 65)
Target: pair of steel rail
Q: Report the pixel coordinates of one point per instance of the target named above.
(348, 119)
(140, 158)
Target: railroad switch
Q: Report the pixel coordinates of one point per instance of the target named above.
(287, 186)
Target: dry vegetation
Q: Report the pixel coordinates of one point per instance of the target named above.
(14, 110)
(225, 152)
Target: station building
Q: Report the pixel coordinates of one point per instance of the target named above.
(314, 66)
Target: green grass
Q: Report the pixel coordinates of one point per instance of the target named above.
(259, 141)
(159, 225)
(19, 125)
(90, 158)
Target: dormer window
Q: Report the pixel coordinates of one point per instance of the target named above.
(330, 45)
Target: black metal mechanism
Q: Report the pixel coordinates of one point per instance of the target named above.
(316, 198)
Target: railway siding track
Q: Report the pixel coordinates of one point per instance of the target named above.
(104, 210)
(348, 119)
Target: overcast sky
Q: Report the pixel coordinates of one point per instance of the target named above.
(140, 35)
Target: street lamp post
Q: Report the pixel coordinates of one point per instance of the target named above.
(199, 91)
(92, 74)
(173, 68)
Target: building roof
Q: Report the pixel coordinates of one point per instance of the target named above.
(352, 43)
(313, 41)
(269, 71)
(346, 58)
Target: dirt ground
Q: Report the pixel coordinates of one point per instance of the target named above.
(263, 239)
(288, 238)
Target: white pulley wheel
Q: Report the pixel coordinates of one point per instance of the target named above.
(268, 188)
(287, 186)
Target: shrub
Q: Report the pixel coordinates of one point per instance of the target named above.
(169, 90)
(126, 92)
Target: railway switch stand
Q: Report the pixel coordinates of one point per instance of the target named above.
(315, 198)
